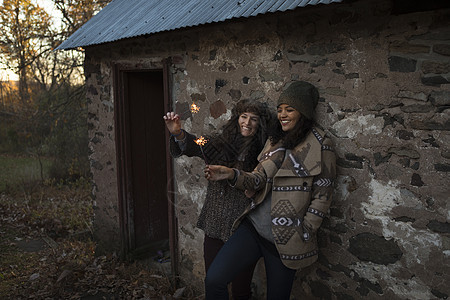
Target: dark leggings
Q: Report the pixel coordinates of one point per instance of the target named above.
(241, 285)
(244, 249)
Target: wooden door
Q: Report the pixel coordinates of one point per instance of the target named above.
(148, 158)
(144, 169)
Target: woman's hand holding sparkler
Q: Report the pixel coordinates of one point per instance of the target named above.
(216, 173)
(173, 123)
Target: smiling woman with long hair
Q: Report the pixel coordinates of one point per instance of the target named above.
(236, 146)
(291, 191)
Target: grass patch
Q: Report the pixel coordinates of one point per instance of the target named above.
(21, 173)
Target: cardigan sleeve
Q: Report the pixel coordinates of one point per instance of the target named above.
(252, 181)
(322, 189)
(257, 179)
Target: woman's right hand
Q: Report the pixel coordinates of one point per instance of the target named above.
(173, 122)
(216, 172)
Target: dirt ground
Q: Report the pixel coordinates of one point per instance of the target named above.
(47, 252)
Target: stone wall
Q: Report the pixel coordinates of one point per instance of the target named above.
(385, 94)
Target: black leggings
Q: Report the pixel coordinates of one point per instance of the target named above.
(241, 285)
(244, 249)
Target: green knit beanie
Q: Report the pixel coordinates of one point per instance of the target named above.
(302, 96)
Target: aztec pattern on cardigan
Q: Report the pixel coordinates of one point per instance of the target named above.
(301, 182)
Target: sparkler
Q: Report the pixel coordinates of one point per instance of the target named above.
(195, 108)
(201, 141)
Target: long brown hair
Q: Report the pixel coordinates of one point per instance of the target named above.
(293, 137)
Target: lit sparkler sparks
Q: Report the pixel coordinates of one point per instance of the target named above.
(195, 108)
(201, 141)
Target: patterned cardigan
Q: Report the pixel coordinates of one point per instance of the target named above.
(223, 203)
(301, 182)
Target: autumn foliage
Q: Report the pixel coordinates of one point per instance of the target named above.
(43, 113)
(47, 252)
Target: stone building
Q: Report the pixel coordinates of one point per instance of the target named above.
(383, 70)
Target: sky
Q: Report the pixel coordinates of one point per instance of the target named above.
(50, 9)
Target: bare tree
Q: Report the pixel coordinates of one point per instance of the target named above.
(52, 116)
(25, 29)
(77, 12)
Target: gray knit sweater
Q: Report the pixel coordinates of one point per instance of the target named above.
(223, 203)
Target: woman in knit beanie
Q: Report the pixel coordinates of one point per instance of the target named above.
(291, 190)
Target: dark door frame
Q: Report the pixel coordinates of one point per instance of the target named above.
(121, 115)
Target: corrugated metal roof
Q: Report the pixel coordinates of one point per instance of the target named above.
(122, 19)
